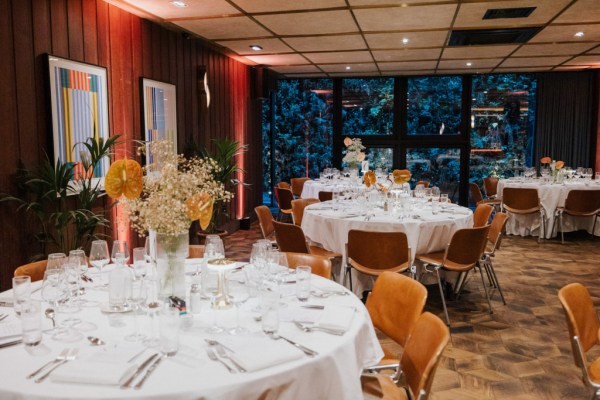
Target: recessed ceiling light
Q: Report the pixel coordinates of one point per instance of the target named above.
(579, 34)
(179, 4)
(404, 40)
(469, 64)
(256, 47)
(348, 67)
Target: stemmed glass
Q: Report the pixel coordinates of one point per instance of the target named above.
(120, 247)
(217, 246)
(56, 261)
(151, 304)
(77, 257)
(238, 294)
(52, 292)
(70, 283)
(99, 257)
(136, 298)
(139, 262)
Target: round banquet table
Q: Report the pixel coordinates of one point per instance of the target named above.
(551, 196)
(190, 374)
(312, 188)
(425, 232)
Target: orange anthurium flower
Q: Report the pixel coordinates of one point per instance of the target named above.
(200, 207)
(361, 156)
(347, 142)
(546, 160)
(401, 176)
(559, 164)
(369, 178)
(124, 178)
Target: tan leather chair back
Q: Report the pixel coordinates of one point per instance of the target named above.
(424, 183)
(422, 353)
(325, 196)
(378, 250)
(490, 185)
(475, 192)
(35, 270)
(319, 265)
(395, 305)
(482, 214)
(466, 248)
(494, 236)
(298, 207)
(298, 185)
(582, 319)
(521, 200)
(290, 238)
(283, 185)
(196, 251)
(583, 202)
(265, 220)
(284, 198)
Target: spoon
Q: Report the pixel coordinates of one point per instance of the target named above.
(49, 313)
(96, 341)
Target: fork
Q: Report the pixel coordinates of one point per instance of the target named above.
(63, 355)
(307, 328)
(222, 353)
(213, 356)
(3, 316)
(72, 355)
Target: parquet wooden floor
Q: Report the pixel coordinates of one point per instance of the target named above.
(522, 350)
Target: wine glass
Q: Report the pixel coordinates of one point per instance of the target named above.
(56, 260)
(217, 242)
(70, 283)
(120, 247)
(238, 294)
(136, 297)
(99, 257)
(77, 257)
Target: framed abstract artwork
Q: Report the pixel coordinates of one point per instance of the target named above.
(159, 113)
(79, 107)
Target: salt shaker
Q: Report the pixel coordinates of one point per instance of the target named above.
(195, 299)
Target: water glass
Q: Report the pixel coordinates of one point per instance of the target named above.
(78, 257)
(139, 262)
(303, 274)
(99, 256)
(56, 260)
(435, 205)
(269, 297)
(168, 320)
(216, 243)
(444, 200)
(21, 292)
(120, 247)
(31, 323)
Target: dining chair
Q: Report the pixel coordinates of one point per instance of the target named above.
(284, 202)
(490, 185)
(494, 239)
(481, 215)
(298, 185)
(35, 270)
(319, 265)
(196, 251)
(579, 203)
(418, 364)
(394, 305)
(461, 255)
(424, 183)
(524, 201)
(583, 324)
(265, 221)
(325, 196)
(283, 185)
(291, 239)
(477, 197)
(372, 253)
(298, 206)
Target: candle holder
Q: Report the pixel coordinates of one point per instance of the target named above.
(221, 266)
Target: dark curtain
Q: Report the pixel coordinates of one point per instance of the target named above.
(566, 117)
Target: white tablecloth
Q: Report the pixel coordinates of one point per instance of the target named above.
(551, 196)
(427, 234)
(311, 189)
(333, 374)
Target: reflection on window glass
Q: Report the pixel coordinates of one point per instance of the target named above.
(367, 106)
(502, 125)
(434, 105)
(380, 157)
(438, 166)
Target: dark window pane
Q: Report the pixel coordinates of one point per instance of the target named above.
(380, 157)
(434, 105)
(367, 106)
(266, 152)
(438, 166)
(502, 124)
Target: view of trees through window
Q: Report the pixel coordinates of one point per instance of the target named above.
(367, 106)
(434, 105)
(438, 166)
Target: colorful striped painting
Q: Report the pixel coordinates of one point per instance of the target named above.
(159, 113)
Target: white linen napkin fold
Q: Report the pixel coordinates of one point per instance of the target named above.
(336, 318)
(93, 372)
(258, 352)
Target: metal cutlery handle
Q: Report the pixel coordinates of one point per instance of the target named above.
(149, 371)
(306, 350)
(138, 370)
(8, 344)
(37, 371)
(45, 375)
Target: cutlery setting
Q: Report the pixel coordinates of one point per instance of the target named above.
(219, 352)
(127, 384)
(3, 316)
(311, 327)
(68, 354)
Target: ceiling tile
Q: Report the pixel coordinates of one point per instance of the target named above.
(306, 76)
(279, 59)
(407, 65)
(366, 67)
(533, 61)
(407, 54)
(415, 39)
(462, 71)
(585, 60)
(388, 2)
(477, 51)
(195, 8)
(224, 28)
(580, 12)
(405, 18)
(268, 45)
(309, 23)
(522, 69)
(342, 74)
(565, 33)
(340, 57)
(296, 69)
(327, 43)
(475, 64)
(471, 15)
(254, 6)
(571, 68)
(408, 72)
(555, 49)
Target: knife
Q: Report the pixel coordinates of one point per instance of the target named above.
(138, 370)
(6, 303)
(313, 306)
(149, 371)
(306, 350)
(8, 344)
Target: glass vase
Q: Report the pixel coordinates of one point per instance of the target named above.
(171, 252)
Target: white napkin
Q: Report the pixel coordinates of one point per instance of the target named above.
(258, 352)
(93, 372)
(458, 210)
(336, 318)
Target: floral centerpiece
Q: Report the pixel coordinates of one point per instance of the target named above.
(552, 165)
(354, 152)
(164, 198)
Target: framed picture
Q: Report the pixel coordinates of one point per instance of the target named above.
(159, 113)
(79, 104)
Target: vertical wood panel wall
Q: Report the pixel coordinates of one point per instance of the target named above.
(95, 32)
